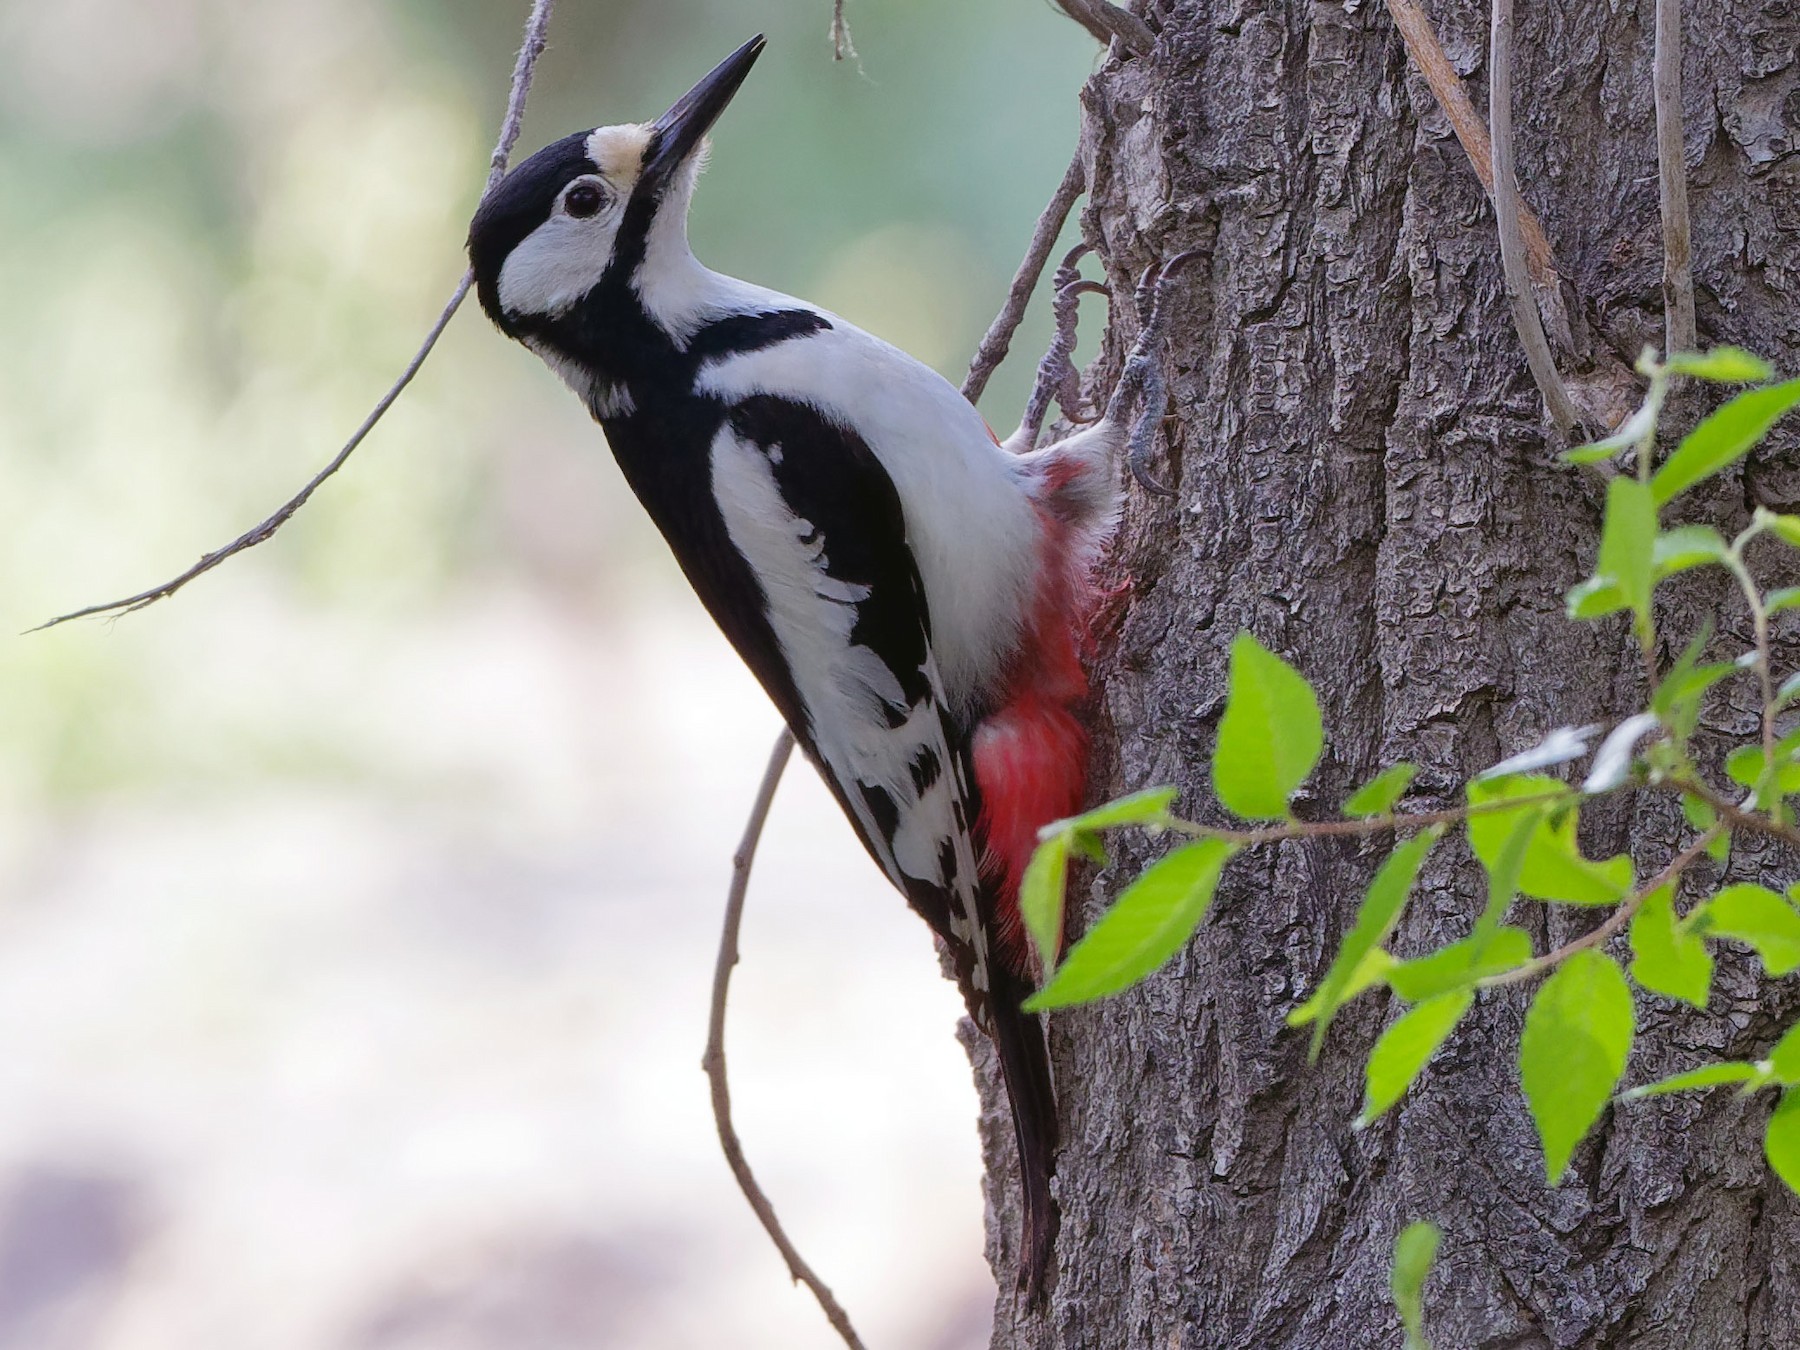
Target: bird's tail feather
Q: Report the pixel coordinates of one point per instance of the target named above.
(1025, 1067)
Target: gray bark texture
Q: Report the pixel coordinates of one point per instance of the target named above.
(1367, 482)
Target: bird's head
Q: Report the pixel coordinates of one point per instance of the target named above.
(596, 205)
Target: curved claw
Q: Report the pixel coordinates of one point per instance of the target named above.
(1068, 379)
(1142, 378)
(1068, 271)
(1082, 286)
(1152, 288)
(1072, 257)
(1145, 294)
(1143, 441)
(1056, 374)
(1146, 482)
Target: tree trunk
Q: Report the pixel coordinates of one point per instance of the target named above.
(1367, 482)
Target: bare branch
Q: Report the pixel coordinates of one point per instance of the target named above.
(998, 339)
(1108, 21)
(1615, 922)
(1678, 275)
(1427, 54)
(536, 31)
(537, 34)
(1737, 817)
(1505, 190)
(714, 1059)
(251, 538)
(842, 48)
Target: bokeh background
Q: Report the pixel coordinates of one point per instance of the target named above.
(357, 907)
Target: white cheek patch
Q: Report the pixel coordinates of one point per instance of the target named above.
(556, 264)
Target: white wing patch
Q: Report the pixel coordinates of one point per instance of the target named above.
(852, 699)
(965, 499)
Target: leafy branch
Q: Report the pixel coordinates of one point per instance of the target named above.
(1521, 822)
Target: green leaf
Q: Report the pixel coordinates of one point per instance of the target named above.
(1723, 439)
(1460, 965)
(1707, 1076)
(1150, 922)
(1595, 598)
(1757, 916)
(1573, 1052)
(1727, 365)
(1414, 1252)
(1786, 528)
(1784, 1059)
(1088, 846)
(1788, 597)
(1744, 765)
(1375, 920)
(1631, 432)
(1699, 812)
(1270, 736)
(1628, 543)
(1370, 971)
(1149, 807)
(1041, 896)
(1687, 546)
(1677, 697)
(1781, 1145)
(1503, 873)
(1702, 817)
(1589, 454)
(1665, 957)
(1377, 796)
(1554, 867)
(1405, 1047)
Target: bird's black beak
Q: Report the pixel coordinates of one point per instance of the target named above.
(675, 134)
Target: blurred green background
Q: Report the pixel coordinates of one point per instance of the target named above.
(356, 906)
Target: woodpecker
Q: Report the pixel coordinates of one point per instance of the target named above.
(910, 592)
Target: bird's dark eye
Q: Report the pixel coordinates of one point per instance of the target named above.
(583, 200)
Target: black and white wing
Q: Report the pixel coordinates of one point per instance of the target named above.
(816, 519)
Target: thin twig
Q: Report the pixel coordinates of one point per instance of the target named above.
(1736, 816)
(714, 1059)
(253, 537)
(536, 30)
(1505, 191)
(1108, 21)
(1614, 922)
(1325, 829)
(842, 48)
(998, 338)
(1765, 674)
(1678, 275)
(1427, 53)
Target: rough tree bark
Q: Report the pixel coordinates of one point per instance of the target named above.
(1366, 481)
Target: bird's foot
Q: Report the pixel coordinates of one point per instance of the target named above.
(1057, 377)
(1142, 381)
(1140, 399)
